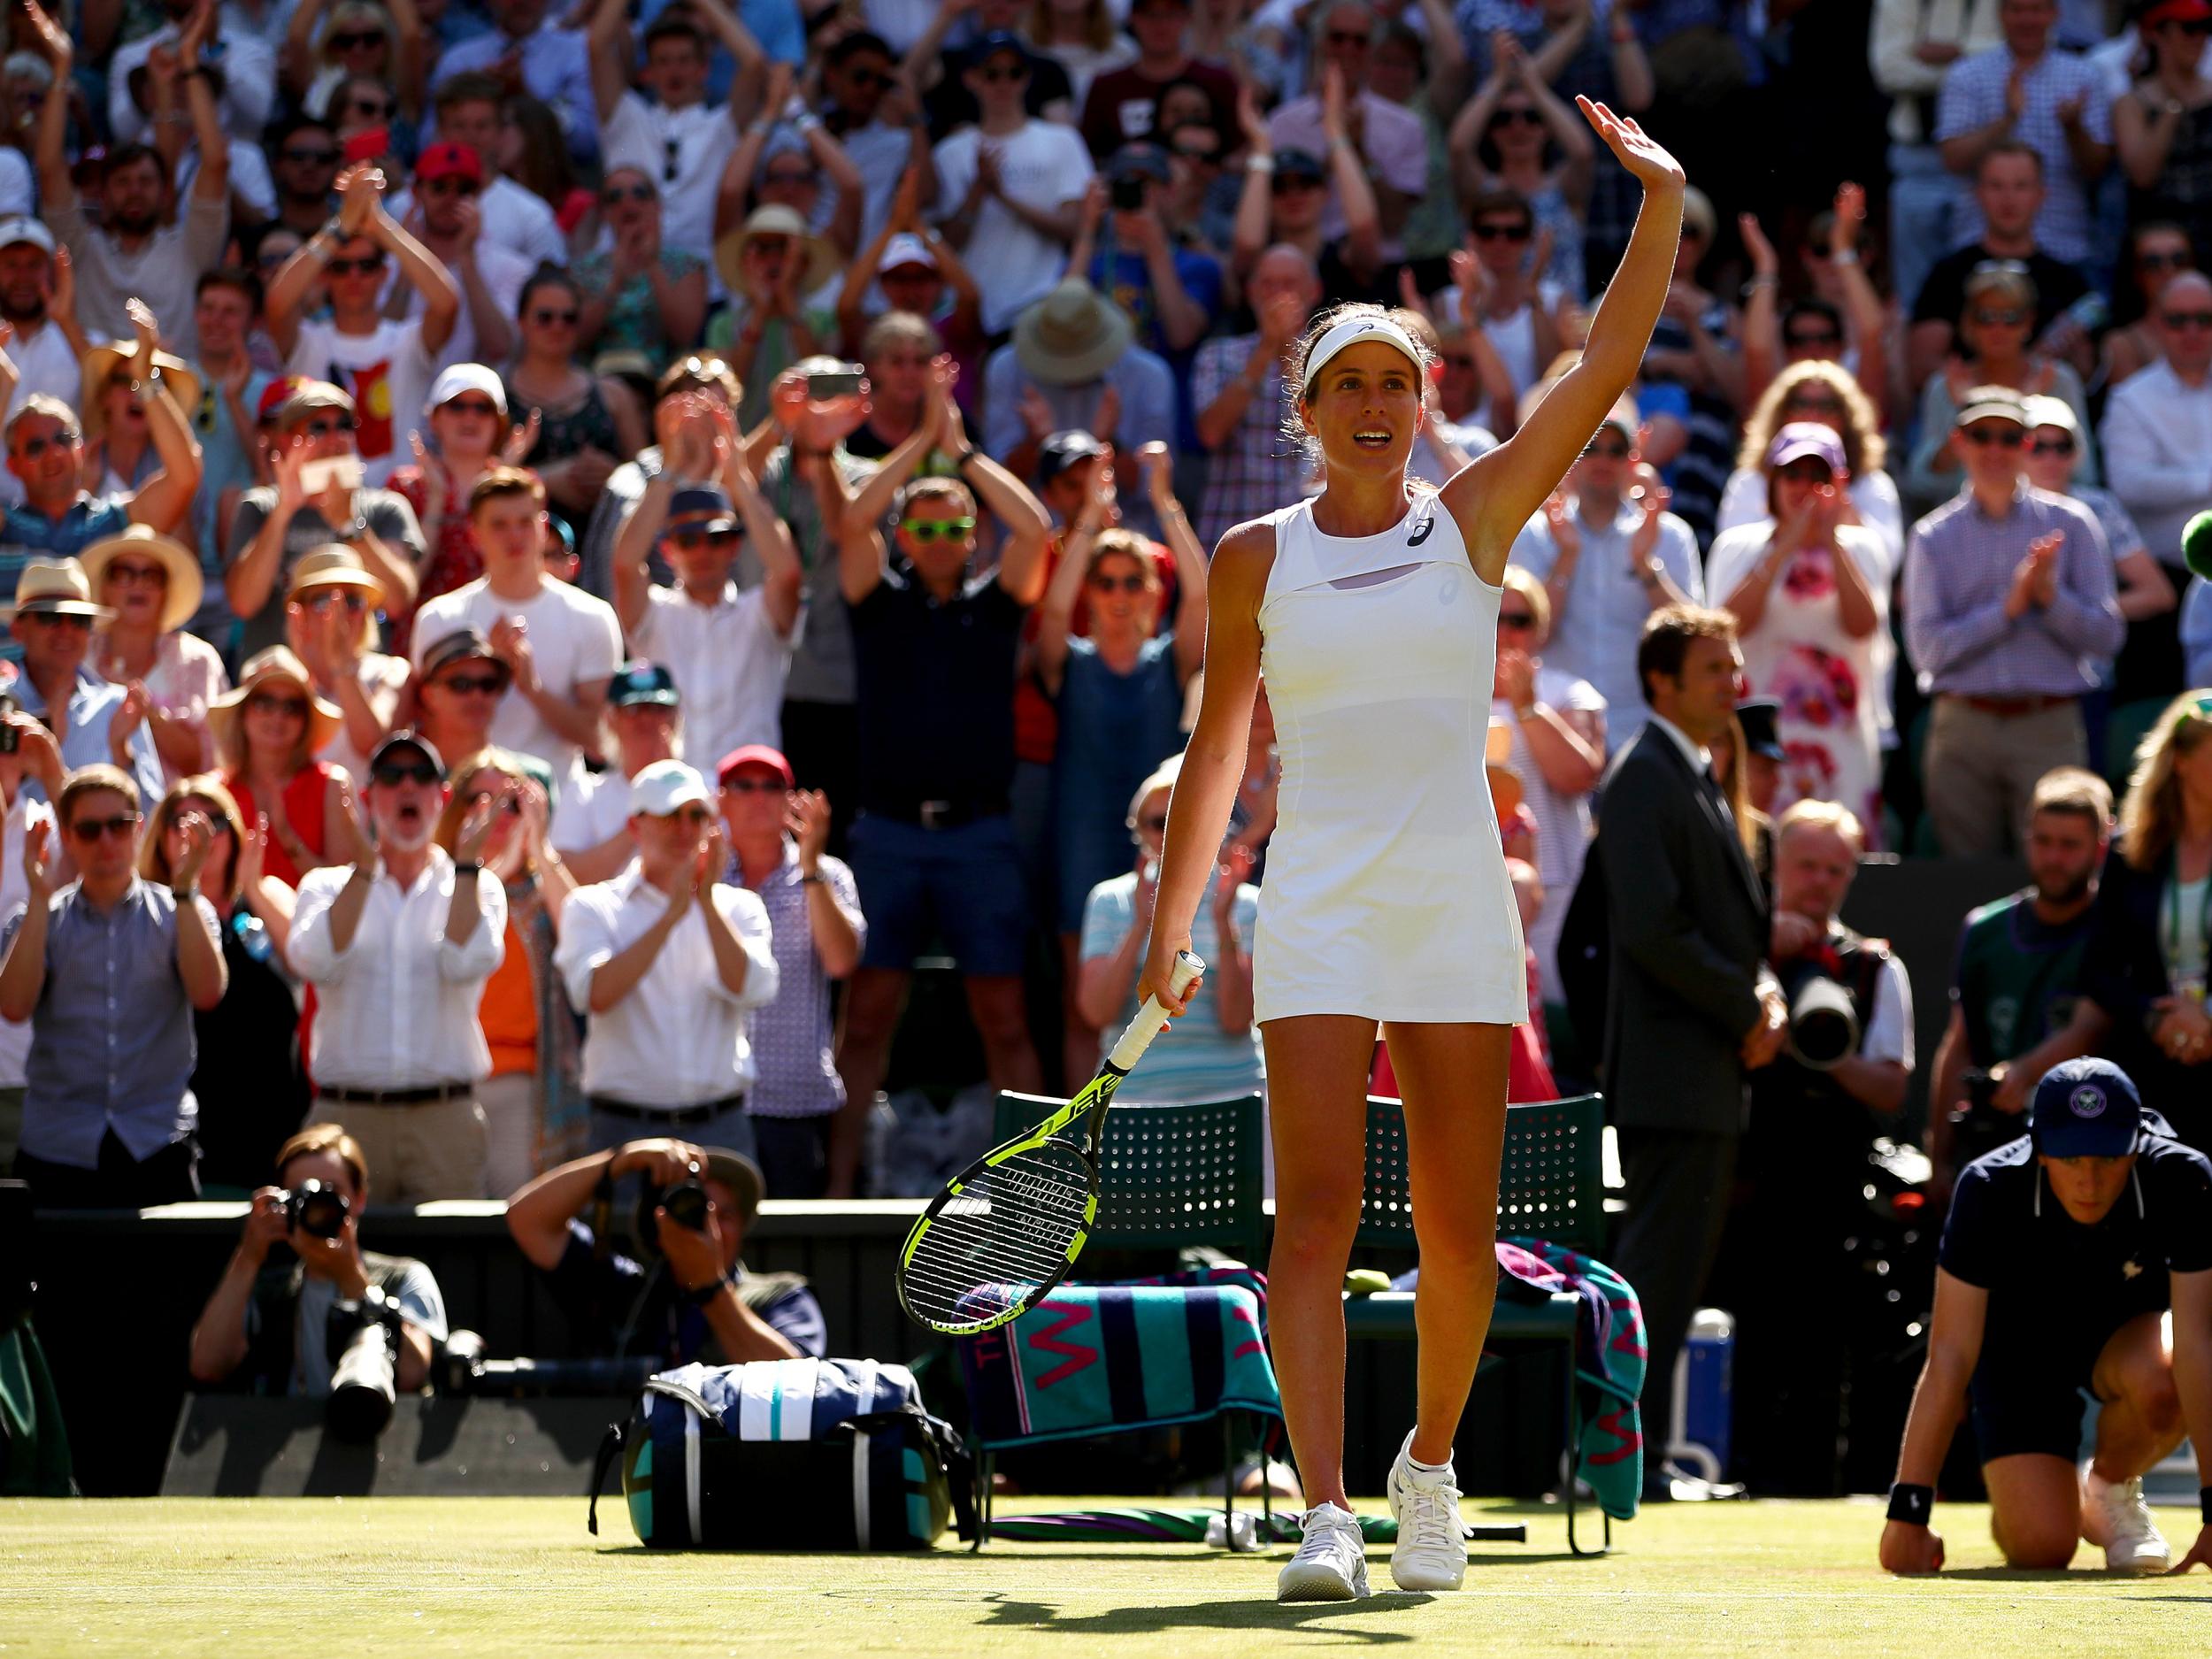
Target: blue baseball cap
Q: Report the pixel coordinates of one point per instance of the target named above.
(636, 682)
(691, 501)
(2086, 1109)
(996, 41)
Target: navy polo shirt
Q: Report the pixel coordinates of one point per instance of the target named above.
(936, 693)
(26, 533)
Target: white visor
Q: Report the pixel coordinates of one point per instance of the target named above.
(1350, 332)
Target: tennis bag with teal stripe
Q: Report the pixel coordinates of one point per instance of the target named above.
(788, 1453)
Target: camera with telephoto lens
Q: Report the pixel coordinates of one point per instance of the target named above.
(317, 1208)
(11, 739)
(1824, 1026)
(684, 1200)
(364, 1379)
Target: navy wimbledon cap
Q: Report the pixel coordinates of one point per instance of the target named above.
(2086, 1109)
(641, 682)
(1061, 450)
(998, 40)
(1759, 736)
(1302, 164)
(702, 498)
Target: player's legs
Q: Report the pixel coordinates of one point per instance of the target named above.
(2034, 1508)
(1453, 1080)
(1316, 1070)
(2141, 1421)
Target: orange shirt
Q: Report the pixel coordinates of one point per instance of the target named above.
(509, 1012)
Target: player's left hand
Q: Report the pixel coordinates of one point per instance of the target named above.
(2200, 1551)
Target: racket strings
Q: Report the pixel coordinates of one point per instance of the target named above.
(998, 1241)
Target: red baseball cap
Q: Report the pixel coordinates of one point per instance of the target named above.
(281, 392)
(753, 755)
(2176, 11)
(450, 160)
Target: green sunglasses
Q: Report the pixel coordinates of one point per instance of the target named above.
(932, 529)
(2200, 708)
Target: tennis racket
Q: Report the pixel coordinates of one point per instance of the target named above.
(1009, 1225)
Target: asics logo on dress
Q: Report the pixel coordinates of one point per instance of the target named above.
(1421, 531)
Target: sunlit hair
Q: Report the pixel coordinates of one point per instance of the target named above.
(349, 19)
(1828, 815)
(466, 773)
(899, 328)
(2076, 790)
(1665, 644)
(502, 481)
(948, 489)
(1297, 394)
(153, 852)
(331, 1138)
(1518, 581)
(2150, 818)
(1864, 448)
(53, 409)
(85, 779)
(1098, 24)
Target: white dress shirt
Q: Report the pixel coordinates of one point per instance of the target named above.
(679, 1038)
(727, 661)
(396, 1009)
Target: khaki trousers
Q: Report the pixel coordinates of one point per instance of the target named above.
(415, 1152)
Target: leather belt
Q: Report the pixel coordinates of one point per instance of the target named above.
(705, 1112)
(2010, 708)
(936, 814)
(424, 1096)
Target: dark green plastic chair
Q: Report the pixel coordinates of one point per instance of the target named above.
(1169, 1177)
(1551, 1185)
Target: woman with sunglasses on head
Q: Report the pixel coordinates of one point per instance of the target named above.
(1372, 608)
(587, 424)
(247, 1059)
(330, 622)
(2158, 251)
(639, 294)
(1117, 690)
(1994, 349)
(2161, 127)
(1516, 134)
(267, 732)
(517, 1013)
(151, 586)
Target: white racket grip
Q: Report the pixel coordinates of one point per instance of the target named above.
(1153, 1014)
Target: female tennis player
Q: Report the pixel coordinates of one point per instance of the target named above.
(1372, 608)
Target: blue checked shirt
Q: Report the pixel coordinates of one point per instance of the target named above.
(1257, 469)
(1959, 566)
(26, 533)
(793, 1037)
(1973, 95)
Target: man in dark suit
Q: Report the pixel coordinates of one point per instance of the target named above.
(1692, 1009)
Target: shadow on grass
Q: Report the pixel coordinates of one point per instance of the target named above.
(1028, 1549)
(1244, 1613)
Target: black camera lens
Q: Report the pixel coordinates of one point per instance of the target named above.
(318, 1210)
(686, 1203)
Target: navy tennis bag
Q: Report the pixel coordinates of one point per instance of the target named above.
(789, 1453)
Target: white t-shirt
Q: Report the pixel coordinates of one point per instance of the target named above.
(698, 140)
(591, 812)
(388, 371)
(573, 638)
(727, 661)
(1043, 166)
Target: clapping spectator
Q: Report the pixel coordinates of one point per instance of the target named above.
(914, 269)
(1516, 134)
(874, 117)
(807, 1130)
(1073, 361)
(727, 650)
(2054, 451)
(109, 1112)
(151, 585)
(643, 293)
(2156, 253)
(469, 433)
(1008, 189)
(268, 733)
(1844, 320)
(2008, 597)
(448, 186)
(2163, 126)
(934, 850)
(665, 960)
(1498, 274)
(1811, 597)
(592, 825)
(458, 687)
(1237, 388)
(30, 759)
(386, 366)
(123, 450)
(586, 422)
(398, 947)
(1286, 196)
(1121, 105)
(896, 353)
(1912, 47)
(1386, 142)
(248, 1066)
(93, 721)
(521, 1013)
(535, 46)
(227, 313)
(707, 375)
(470, 113)
(1820, 391)
(330, 624)
(557, 645)
(1119, 691)
(302, 159)
(771, 265)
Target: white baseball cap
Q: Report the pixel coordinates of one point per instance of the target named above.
(906, 248)
(465, 376)
(21, 228)
(664, 787)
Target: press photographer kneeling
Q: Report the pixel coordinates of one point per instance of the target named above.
(696, 1301)
(2063, 1253)
(304, 1310)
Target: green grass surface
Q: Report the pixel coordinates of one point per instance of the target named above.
(332, 1578)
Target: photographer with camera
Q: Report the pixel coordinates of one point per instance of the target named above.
(300, 1294)
(1846, 1063)
(699, 1204)
(2013, 989)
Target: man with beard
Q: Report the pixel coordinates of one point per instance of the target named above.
(469, 114)
(304, 163)
(132, 254)
(883, 135)
(32, 290)
(449, 181)
(398, 947)
(2012, 993)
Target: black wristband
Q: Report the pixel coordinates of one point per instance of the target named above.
(2204, 1505)
(706, 1294)
(1911, 1504)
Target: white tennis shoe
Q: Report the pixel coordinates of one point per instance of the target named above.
(1331, 1564)
(2114, 1515)
(1431, 1552)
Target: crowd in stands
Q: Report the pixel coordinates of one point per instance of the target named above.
(558, 549)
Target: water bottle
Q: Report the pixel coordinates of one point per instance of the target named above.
(253, 938)
(2085, 316)
(1703, 1388)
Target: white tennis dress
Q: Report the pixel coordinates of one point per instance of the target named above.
(1385, 894)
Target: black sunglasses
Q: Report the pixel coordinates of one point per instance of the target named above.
(1501, 232)
(1604, 451)
(490, 685)
(689, 538)
(547, 318)
(2003, 437)
(750, 785)
(91, 829)
(2052, 446)
(367, 264)
(1824, 338)
(1132, 584)
(639, 192)
(317, 158)
(391, 776)
(353, 39)
(1519, 621)
(1524, 118)
(2187, 320)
